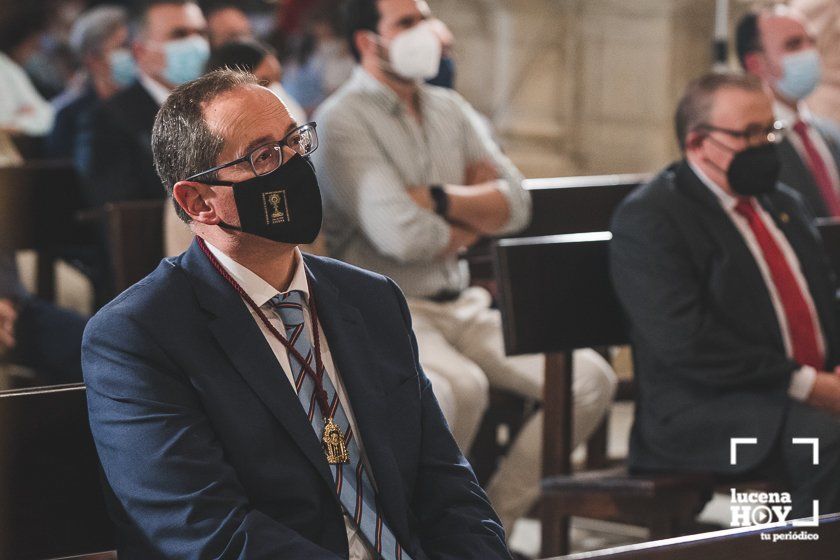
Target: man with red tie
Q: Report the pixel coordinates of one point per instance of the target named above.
(775, 45)
(731, 305)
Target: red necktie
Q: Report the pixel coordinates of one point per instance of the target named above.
(803, 331)
(818, 170)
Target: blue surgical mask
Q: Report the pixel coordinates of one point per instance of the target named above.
(123, 68)
(185, 59)
(800, 74)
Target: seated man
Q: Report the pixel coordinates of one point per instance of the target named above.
(775, 46)
(412, 178)
(731, 304)
(234, 417)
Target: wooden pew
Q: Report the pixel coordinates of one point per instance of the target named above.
(51, 502)
(577, 204)
(562, 205)
(135, 240)
(555, 296)
(38, 203)
(743, 544)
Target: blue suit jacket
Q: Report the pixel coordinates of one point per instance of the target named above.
(205, 447)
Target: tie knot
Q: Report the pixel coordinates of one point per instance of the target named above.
(800, 127)
(289, 306)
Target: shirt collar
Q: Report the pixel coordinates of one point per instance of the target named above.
(157, 90)
(258, 289)
(727, 200)
(789, 116)
(363, 81)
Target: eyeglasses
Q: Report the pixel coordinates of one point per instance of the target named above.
(754, 135)
(268, 157)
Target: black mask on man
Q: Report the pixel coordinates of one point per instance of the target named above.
(755, 171)
(283, 206)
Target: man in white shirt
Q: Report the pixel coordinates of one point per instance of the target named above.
(731, 305)
(22, 109)
(775, 45)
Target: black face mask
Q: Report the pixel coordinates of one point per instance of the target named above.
(755, 171)
(283, 206)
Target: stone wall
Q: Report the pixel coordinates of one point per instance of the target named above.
(580, 86)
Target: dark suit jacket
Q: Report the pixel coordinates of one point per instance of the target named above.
(708, 350)
(68, 139)
(121, 165)
(207, 452)
(797, 175)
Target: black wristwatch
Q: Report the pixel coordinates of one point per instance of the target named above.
(440, 198)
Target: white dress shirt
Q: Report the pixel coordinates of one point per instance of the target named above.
(21, 106)
(803, 379)
(155, 89)
(261, 292)
(789, 117)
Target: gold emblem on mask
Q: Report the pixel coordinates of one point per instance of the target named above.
(276, 210)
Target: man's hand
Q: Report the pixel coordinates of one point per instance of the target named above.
(8, 317)
(460, 239)
(825, 394)
(422, 197)
(480, 172)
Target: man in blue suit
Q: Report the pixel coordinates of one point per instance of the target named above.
(250, 402)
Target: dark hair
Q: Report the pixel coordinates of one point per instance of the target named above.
(696, 103)
(359, 15)
(241, 54)
(747, 37)
(19, 22)
(182, 145)
(211, 8)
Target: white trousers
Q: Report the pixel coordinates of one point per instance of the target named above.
(462, 352)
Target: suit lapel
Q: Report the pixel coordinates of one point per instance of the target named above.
(351, 350)
(240, 337)
(731, 241)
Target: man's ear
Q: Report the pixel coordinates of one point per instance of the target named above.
(192, 197)
(694, 140)
(364, 41)
(754, 64)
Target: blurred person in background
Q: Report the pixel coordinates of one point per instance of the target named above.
(775, 45)
(23, 111)
(824, 19)
(411, 178)
(170, 48)
(101, 42)
(53, 64)
(321, 61)
(227, 22)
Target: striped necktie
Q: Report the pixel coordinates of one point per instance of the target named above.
(352, 481)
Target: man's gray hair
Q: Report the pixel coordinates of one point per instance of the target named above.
(182, 144)
(695, 106)
(94, 27)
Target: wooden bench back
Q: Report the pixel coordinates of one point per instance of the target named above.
(555, 294)
(135, 239)
(51, 502)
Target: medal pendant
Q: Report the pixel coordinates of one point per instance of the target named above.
(334, 445)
